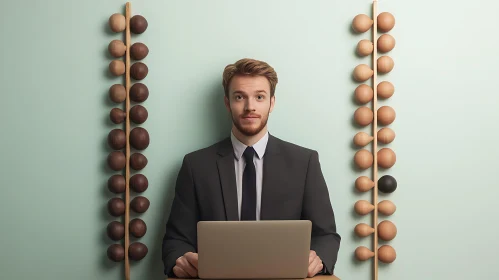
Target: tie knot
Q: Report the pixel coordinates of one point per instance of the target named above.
(248, 154)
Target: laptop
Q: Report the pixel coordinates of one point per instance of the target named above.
(253, 249)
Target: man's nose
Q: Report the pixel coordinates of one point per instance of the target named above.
(250, 104)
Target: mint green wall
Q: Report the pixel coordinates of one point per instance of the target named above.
(54, 124)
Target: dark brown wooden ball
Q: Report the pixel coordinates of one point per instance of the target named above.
(116, 252)
(115, 230)
(139, 183)
(387, 184)
(117, 115)
(138, 24)
(116, 139)
(139, 70)
(139, 92)
(116, 184)
(137, 251)
(138, 227)
(140, 204)
(116, 206)
(117, 93)
(138, 161)
(117, 67)
(116, 160)
(117, 48)
(138, 114)
(139, 138)
(139, 51)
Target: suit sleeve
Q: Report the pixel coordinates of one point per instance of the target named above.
(181, 229)
(325, 240)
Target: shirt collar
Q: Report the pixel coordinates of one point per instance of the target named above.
(240, 147)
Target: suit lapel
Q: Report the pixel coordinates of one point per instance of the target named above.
(227, 173)
(270, 184)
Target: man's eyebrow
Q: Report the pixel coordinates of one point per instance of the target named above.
(242, 92)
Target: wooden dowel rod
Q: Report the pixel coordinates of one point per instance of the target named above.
(127, 175)
(375, 140)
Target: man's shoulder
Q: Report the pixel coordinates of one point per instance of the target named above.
(290, 148)
(210, 150)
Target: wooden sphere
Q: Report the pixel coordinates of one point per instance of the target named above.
(139, 92)
(363, 230)
(137, 251)
(364, 47)
(362, 253)
(117, 48)
(364, 93)
(138, 70)
(363, 207)
(116, 160)
(386, 43)
(386, 135)
(363, 159)
(386, 22)
(385, 89)
(361, 23)
(139, 138)
(115, 230)
(116, 184)
(363, 116)
(138, 227)
(138, 161)
(117, 67)
(387, 184)
(139, 51)
(386, 115)
(361, 139)
(117, 22)
(138, 114)
(139, 183)
(387, 230)
(140, 204)
(116, 139)
(362, 72)
(386, 158)
(385, 64)
(117, 93)
(138, 24)
(364, 184)
(387, 254)
(116, 252)
(116, 206)
(386, 207)
(117, 115)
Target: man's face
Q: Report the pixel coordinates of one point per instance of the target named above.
(249, 103)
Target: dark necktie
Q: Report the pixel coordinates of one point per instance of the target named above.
(248, 207)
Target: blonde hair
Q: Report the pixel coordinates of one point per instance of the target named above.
(248, 66)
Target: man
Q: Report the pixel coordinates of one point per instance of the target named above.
(250, 175)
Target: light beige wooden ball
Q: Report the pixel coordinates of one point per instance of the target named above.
(386, 22)
(363, 230)
(117, 67)
(387, 254)
(385, 89)
(387, 230)
(117, 48)
(385, 64)
(386, 158)
(361, 23)
(386, 43)
(364, 184)
(365, 47)
(363, 207)
(361, 139)
(117, 22)
(364, 93)
(386, 207)
(362, 72)
(363, 159)
(386, 135)
(363, 116)
(362, 253)
(386, 115)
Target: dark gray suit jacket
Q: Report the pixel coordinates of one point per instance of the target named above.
(293, 188)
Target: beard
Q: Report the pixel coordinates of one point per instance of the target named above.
(250, 130)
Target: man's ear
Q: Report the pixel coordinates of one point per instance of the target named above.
(272, 103)
(227, 103)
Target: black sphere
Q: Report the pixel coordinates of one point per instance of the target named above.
(387, 184)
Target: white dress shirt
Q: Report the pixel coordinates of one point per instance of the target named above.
(240, 164)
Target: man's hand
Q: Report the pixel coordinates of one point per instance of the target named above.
(314, 264)
(187, 266)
